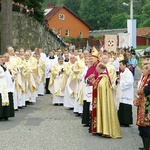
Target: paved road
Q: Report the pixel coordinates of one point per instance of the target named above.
(43, 126)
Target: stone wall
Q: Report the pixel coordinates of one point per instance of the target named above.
(29, 33)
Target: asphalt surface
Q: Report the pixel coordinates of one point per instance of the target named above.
(43, 126)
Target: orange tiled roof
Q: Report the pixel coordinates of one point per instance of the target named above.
(143, 31)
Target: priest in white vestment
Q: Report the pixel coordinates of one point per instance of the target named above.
(15, 65)
(55, 83)
(10, 87)
(78, 105)
(31, 84)
(40, 74)
(50, 62)
(4, 99)
(127, 95)
(78, 108)
(71, 86)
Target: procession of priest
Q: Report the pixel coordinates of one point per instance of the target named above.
(96, 85)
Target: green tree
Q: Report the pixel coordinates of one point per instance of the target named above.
(99, 14)
(119, 21)
(38, 8)
(59, 2)
(146, 23)
(138, 6)
(72, 5)
(146, 9)
(143, 19)
(46, 2)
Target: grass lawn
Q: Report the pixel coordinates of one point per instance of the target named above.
(139, 63)
(142, 47)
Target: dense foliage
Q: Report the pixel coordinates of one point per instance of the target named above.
(100, 14)
(38, 8)
(105, 14)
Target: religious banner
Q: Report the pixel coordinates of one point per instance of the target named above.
(111, 43)
(123, 40)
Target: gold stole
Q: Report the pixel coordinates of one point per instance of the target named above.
(112, 74)
(40, 71)
(67, 70)
(73, 78)
(33, 74)
(54, 72)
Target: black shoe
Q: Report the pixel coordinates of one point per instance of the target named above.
(124, 125)
(71, 108)
(55, 104)
(20, 107)
(27, 102)
(78, 115)
(30, 103)
(141, 148)
(40, 95)
(47, 93)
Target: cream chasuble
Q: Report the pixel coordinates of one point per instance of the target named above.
(106, 120)
(32, 74)
(73, 79)
(56, 81)
(40, 71)
(16, 65)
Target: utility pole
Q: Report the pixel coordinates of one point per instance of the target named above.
(131, 25)
(6, 24)
(131, 9)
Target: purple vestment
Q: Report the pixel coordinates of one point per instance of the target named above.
(92, 70)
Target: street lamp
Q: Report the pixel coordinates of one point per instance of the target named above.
(125, 4)
(131, 26)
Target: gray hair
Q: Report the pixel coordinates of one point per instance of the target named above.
(60, 58)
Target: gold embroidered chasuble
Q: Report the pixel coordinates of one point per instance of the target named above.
(31, 83)
(56, 81)
(16, 65)
(112, 74)
(40, 71)
(74, 78)
(104, 115)
(67, 70)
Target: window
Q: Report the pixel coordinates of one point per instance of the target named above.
(67, 32)
(59, 31)
(81, 34)
(61, 16)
